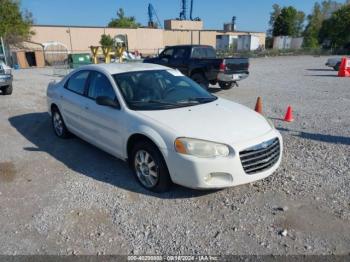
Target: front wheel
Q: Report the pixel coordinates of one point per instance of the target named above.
(201, 80)
(7, 90)
(150, 168)
(226, 85)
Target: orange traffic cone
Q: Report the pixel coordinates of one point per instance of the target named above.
(289, 115)
(259, 106)
(344, 69)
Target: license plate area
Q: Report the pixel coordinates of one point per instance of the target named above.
(235, 77)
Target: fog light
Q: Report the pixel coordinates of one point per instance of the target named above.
(224, 177)
(207, 178)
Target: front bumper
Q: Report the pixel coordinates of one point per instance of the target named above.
(224, 77)
(5, 80)
(203, 173)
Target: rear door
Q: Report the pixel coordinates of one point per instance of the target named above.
(72, 100)
(105, 123)
(205, 57)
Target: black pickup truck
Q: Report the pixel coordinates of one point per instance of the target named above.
(201, 64)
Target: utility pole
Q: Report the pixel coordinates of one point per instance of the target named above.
(70, 40)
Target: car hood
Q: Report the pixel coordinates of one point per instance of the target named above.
(221, 121)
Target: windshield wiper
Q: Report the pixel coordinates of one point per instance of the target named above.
(198, 100)
(155, 102)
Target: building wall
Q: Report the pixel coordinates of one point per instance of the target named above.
(183, 25)
(79, 39)
(145, 40)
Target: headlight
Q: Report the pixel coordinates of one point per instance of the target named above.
(201, 148)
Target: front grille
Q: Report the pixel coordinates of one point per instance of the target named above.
(260, 157)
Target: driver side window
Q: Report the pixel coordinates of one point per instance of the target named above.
(99, 85)
(168, 53)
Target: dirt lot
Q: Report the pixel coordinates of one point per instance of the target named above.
(68, 197)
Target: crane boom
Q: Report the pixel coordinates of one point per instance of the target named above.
(191, 10)
(151, 14)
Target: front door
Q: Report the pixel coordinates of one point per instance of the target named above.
(105, 123)
(178, 59)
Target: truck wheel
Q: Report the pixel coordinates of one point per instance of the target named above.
(213, 82)
(226, 85)
(150, 168)
(7, 90)
(201, 80)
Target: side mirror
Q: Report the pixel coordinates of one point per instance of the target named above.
(106, 101)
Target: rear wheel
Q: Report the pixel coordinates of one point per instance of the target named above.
(226, 85)
(7, 90)
(201, 80)
(149, 167)
(58, 124)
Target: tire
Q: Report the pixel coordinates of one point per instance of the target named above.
(226, 85)
(58, 125)
(337, 67)
(213, 82)
(201, 80)
(7, 90)
(149, 167)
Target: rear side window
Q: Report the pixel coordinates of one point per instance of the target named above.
(198, 53)
(100, 86)
(210, 53)
(77, 82)
(203, 52)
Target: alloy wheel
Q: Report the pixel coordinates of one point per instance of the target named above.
(146, 169)
(58, 123)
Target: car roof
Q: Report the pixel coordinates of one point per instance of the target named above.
(176, 46)
(118, 68)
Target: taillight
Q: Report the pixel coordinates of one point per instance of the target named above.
(222, 67)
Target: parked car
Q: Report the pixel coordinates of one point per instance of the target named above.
(165, 125)
(199, 62)
(5, 79)
(334, 63)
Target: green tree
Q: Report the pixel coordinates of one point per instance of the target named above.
(313, 27)
(329, 7)
(289, 22)
(14, 24)
(107, 41)
(123, 21)
(276, 11)
(336, 29)
(319, 14)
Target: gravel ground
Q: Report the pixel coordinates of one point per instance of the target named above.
(68, 197)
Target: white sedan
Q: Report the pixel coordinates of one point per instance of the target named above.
(166, 126)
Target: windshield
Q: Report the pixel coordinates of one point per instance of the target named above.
(160, 89)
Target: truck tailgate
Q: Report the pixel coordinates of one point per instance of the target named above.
(236, 65)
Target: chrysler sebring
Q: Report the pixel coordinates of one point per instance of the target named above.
(166, 126)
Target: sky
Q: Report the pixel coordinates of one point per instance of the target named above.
(252, 15)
